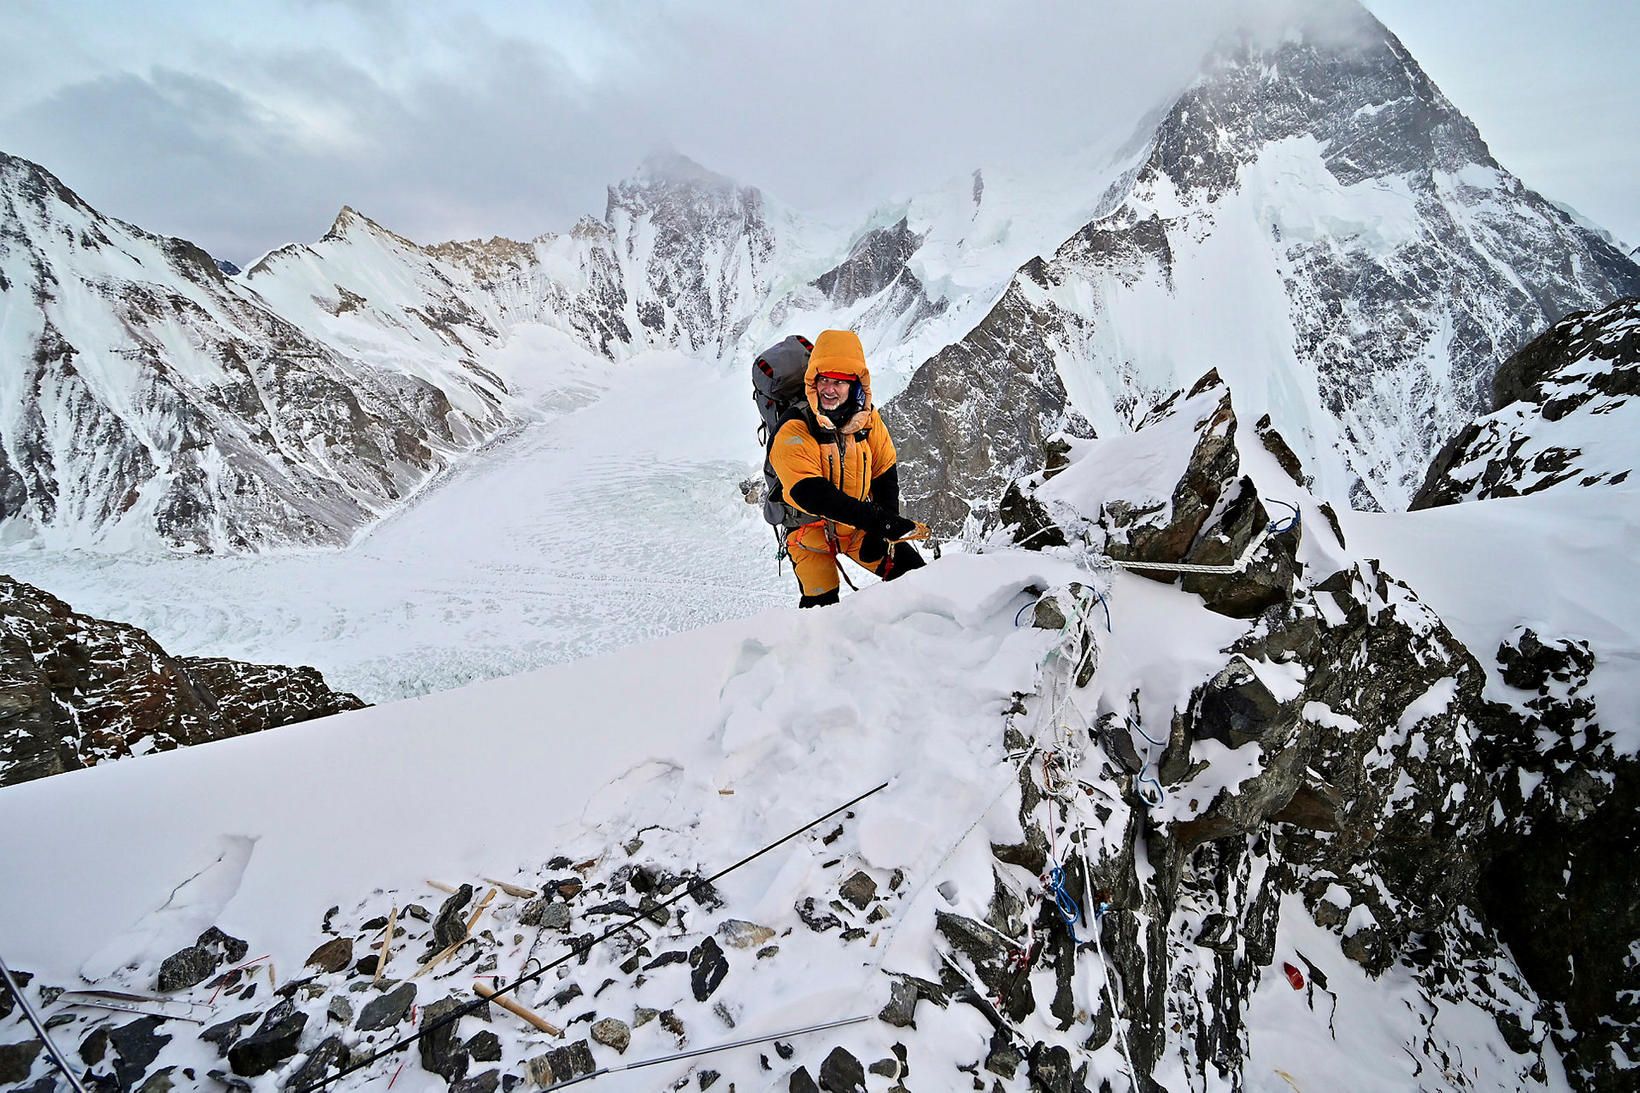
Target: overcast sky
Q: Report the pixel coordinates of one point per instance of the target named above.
(244, 125)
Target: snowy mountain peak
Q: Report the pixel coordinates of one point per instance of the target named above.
(1283, 223)
(350, 223)
(667, 183)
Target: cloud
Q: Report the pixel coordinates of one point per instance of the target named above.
(470, 121)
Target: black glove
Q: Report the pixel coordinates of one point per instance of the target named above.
(893, 526)
(873, 549)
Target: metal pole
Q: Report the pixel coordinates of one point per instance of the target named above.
(39, 1026)
(709, 1050)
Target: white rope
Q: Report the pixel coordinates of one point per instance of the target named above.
(1183, 567)
(1186, 567)
(1111, 995)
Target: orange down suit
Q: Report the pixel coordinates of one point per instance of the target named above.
(849, 458)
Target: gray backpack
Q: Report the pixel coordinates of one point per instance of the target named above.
(777, 389)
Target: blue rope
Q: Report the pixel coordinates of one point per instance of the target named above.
(1068, 910)
(1102, 603)
(1161, 794)
(1277, 527)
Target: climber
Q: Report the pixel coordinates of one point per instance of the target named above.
(836, 462)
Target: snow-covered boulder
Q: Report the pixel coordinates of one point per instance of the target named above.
(1566, 414)
(1174, 492)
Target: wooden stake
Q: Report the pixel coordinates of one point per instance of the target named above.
(512, 890)
(387, 943)
(440, 886)
(438, 958)
(517, 1010)
(479, 910)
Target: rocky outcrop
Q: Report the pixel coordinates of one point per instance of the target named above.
(1565, 414)
(1379, 791)
(76, 691)
(1213, 516)
(1556, 880)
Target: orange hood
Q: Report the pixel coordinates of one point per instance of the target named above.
(839, 351)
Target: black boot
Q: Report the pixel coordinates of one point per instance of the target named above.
(822, 600)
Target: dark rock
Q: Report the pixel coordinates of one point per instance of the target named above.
(800, 1082)
(187, 967)
(7, 1002)
(274, 1041)
(988, 954)
(567, 995)
(1050, 1069)
(814, 918)
(232, 949)
(331, 1055)
(332, 956)
(223, 1033)
(387, 1010)
(562, 1064)
(486, 1082)
(707, 1079)
(442, 1052)
(451, 925)
(1002, 1059)
(339, 1009)
(859, 889)
(160, 1081)
(136, 1046)
(95, 1046)
(709, 966)
(901, 1011)
(672, 1023)
(673, 955)
(16, 1060)
(842, 1073)
(484, 1047)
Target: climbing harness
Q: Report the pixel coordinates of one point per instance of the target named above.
(675, 1056)
(584, 947)
(57, 1057)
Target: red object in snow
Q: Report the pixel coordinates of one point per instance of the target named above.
(1294, 976)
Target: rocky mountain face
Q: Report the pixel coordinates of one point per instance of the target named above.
(150, 400)
(76, 691)
(1563, 415)
(1426, 823)
(1313, 218)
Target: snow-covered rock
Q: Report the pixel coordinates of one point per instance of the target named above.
(1565, 415)
(76, 691)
